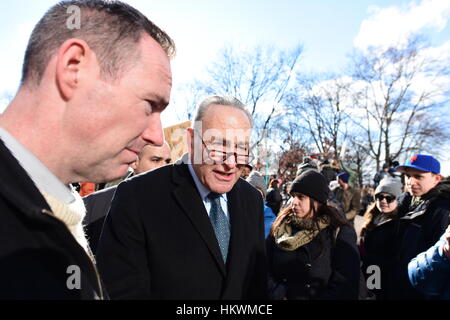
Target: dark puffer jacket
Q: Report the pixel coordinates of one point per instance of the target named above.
(418, 229)
(324, 269)
(376, 248)
(274, 199)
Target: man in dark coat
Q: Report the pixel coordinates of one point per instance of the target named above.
(192, 230)
(82, 113)
(273, 197)
(348, 196)
(98, 203)
(34, 262)
(384, 172)
(328, 171)
(424, 215)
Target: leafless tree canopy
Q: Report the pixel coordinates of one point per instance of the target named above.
(259, 77)
(388, 104)
(400, 98)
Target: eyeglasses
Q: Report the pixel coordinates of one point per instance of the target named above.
(389, 199)
(219, 156)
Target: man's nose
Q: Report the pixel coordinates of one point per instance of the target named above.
(230, 161)
(153, 133)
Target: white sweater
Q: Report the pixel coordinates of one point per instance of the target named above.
(72, 215)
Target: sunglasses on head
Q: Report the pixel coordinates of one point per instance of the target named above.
(389, 199)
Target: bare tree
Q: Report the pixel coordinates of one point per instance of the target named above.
(319, 105)
(293, 148)
(189, 95)
(356, 160)
(259, 77)
(399, 94)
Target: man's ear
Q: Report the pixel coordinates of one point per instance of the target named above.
(72, 58)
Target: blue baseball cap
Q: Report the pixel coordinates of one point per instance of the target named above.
(344, 176)
(422, 162)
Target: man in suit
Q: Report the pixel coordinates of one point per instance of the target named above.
(192, 230)
(98, 203)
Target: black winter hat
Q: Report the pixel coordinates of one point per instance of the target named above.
(312, 184)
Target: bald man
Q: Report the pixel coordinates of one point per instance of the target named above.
(98, 203)
(152, 157)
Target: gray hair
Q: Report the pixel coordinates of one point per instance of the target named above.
(219, 100)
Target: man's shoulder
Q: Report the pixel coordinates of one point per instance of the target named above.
(104, 193)
(16, 185)
(159, 175)
(155, 183)
(243, 186)
(442, 193)
(439, 205)
(338, 191)
(438, 198)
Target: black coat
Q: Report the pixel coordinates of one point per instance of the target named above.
(274, 199)
(36, 249)
(325, 268)
(418, 229)
(329, 173)
(97, 206)
(378, 249)
(158, 241)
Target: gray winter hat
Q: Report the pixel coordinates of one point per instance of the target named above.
(389, 185)
(307, 164)
(256, 180)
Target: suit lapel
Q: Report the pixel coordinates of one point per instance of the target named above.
(191, 204)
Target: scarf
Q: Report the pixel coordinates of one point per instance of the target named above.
(71, 215)
(294, 232)
(415, 202)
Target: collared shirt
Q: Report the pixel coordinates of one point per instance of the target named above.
(42, 177)
(204, 191)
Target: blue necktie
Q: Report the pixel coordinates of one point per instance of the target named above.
(220, 224)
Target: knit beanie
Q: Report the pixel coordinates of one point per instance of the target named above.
(307, 164)
(343, 176)
(389, 185)
(256, 180)
(312, 184)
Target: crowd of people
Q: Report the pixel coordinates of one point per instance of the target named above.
(207, 226)
(402, 219)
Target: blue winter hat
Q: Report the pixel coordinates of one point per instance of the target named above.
(422, 162)
(343, 176)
